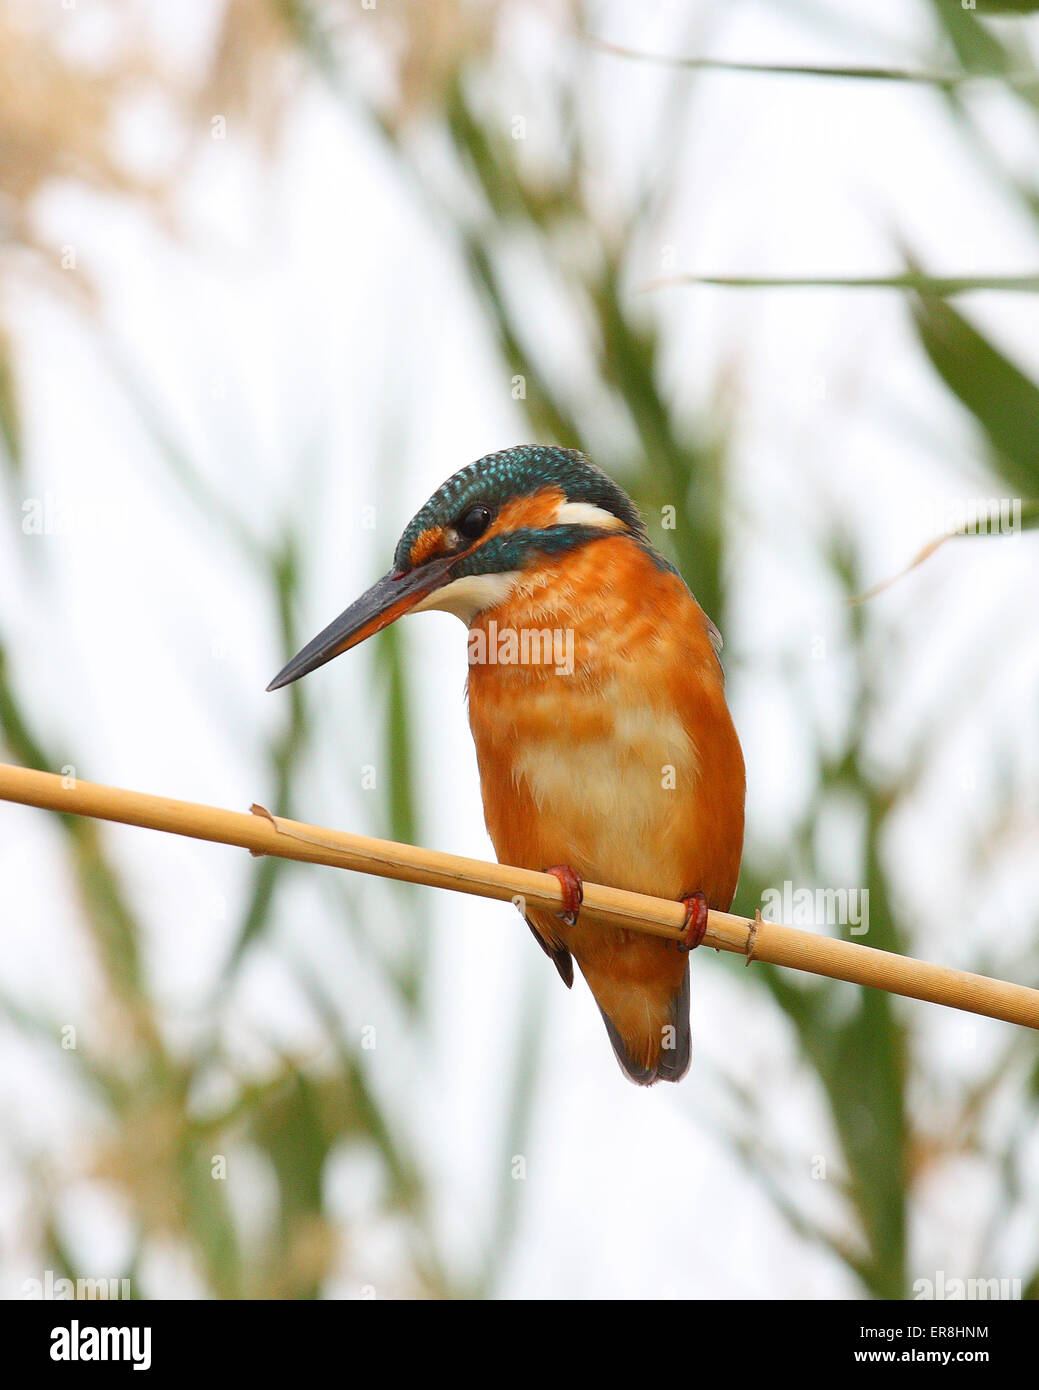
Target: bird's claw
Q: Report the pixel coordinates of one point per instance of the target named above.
(695, 927)
(573, 892)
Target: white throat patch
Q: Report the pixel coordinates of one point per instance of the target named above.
(470, 595)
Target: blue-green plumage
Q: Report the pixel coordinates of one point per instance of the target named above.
(514, 549)
(520, 472)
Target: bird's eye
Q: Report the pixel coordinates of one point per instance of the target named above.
(473, 523)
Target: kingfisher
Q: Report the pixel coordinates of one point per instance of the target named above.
(605, 746)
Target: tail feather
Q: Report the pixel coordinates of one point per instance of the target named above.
(641, 987)
(674, 1061)
(664, 1056)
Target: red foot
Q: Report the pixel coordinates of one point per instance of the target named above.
(695, 921)
(573, 891)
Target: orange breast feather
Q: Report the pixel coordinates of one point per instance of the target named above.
(626, 767)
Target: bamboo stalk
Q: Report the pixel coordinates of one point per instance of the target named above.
(261, 833)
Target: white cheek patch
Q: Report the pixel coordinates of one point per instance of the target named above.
(470, 595)
(585, 514)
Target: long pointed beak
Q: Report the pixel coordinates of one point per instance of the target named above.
(384, 603)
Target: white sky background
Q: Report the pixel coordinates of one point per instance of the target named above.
(312, 340)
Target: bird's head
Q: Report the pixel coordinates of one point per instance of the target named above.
(472, 542)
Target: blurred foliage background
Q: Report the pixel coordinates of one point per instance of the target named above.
(422, 78)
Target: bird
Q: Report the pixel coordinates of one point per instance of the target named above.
(604, 742)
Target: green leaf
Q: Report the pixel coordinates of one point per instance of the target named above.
(10, 421)
(398, 748)
(1003, 400)
(1007, 7)
(977, 49)
(940, 286)
(885, 72)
